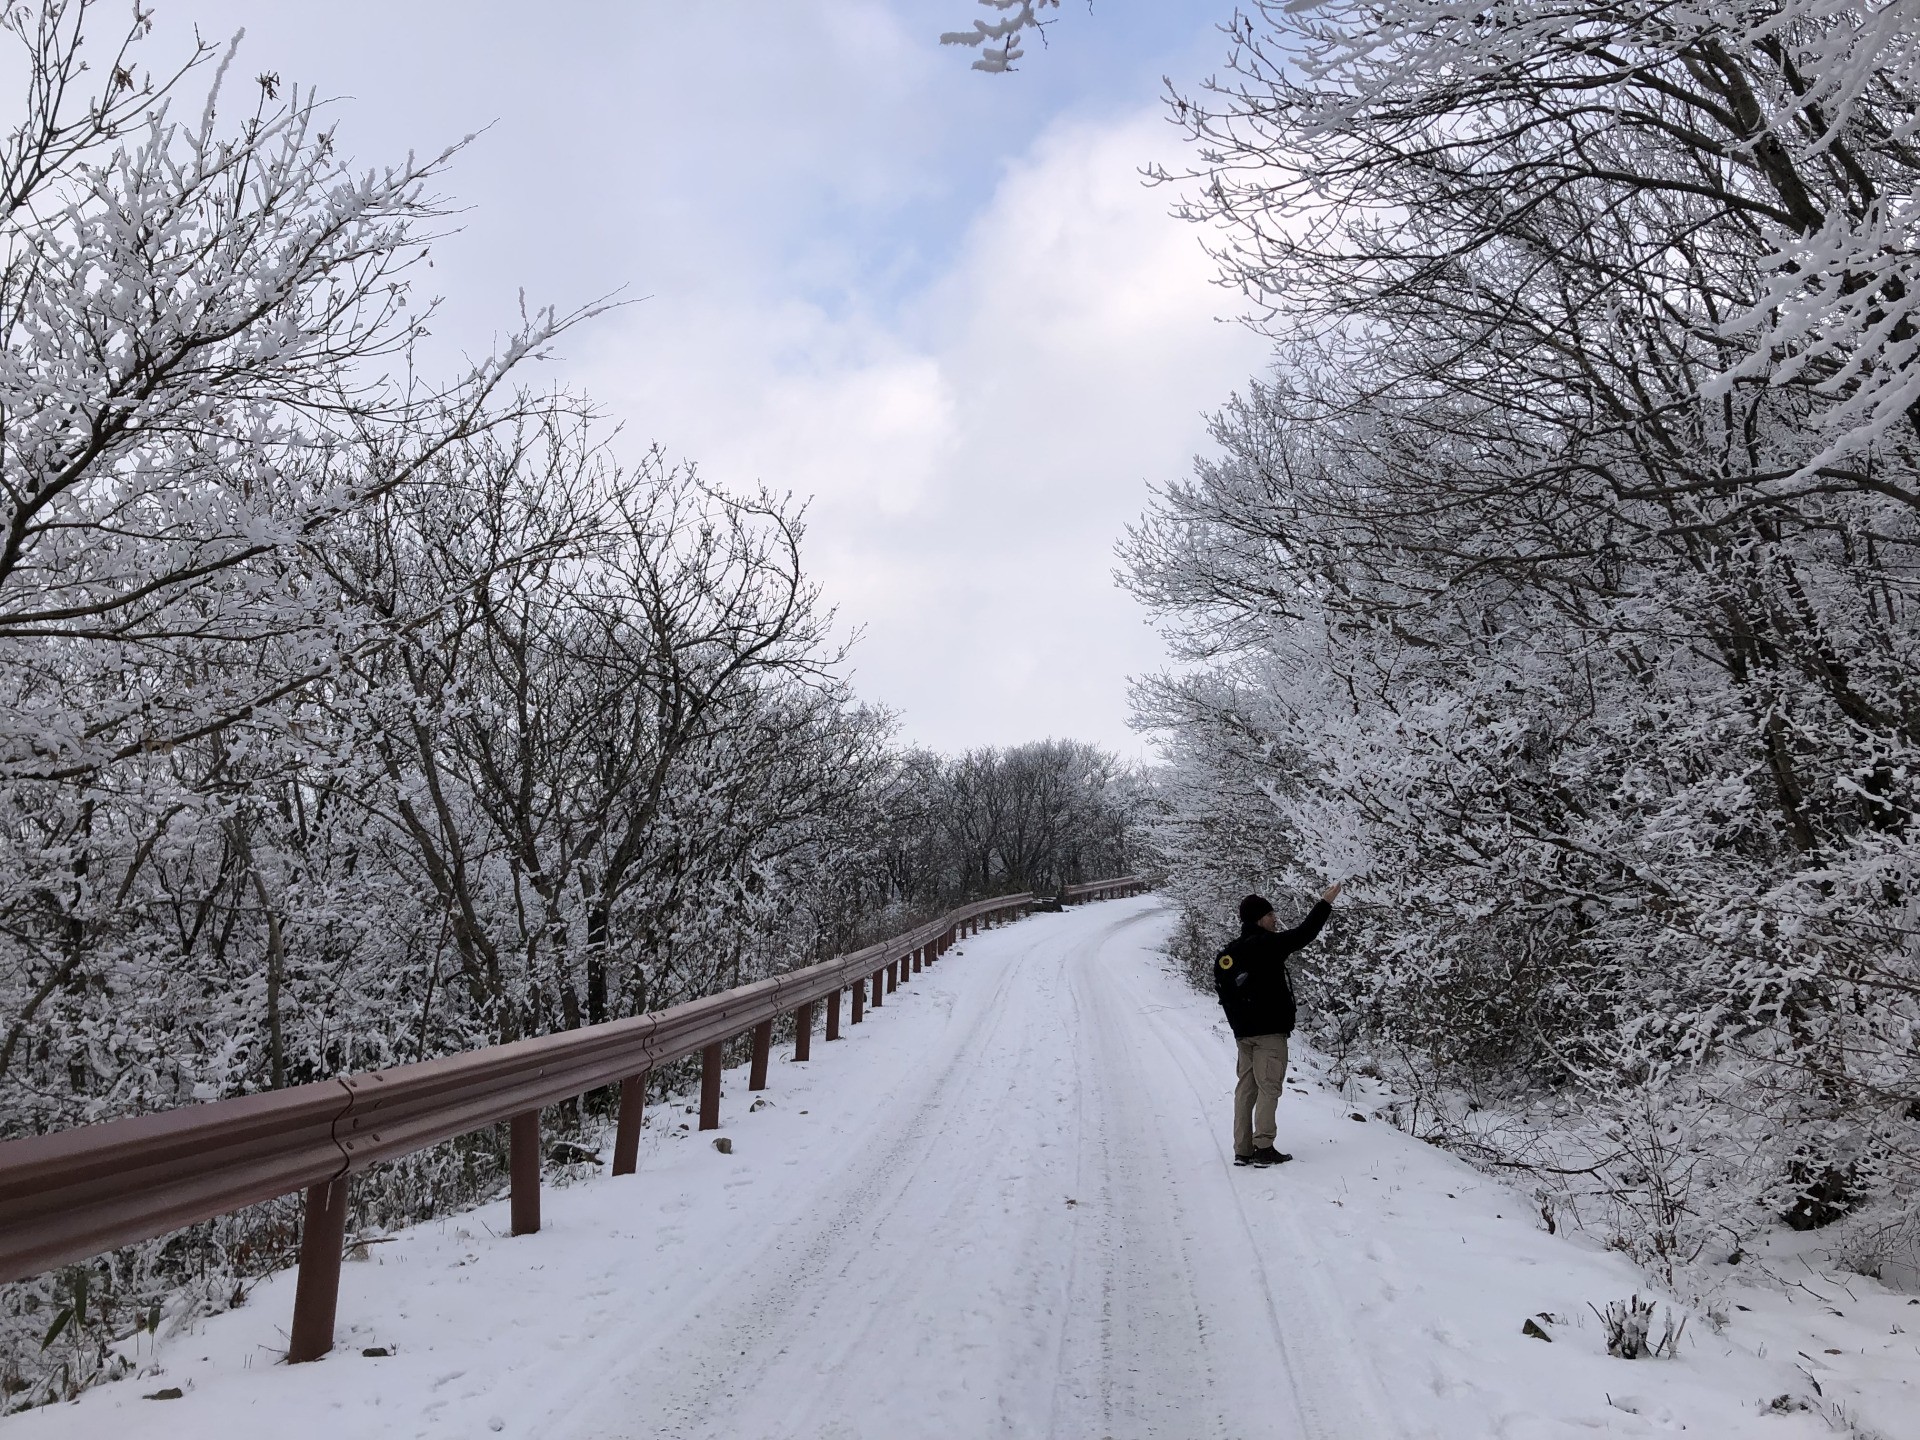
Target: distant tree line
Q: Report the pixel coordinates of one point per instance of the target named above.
(1037, 817)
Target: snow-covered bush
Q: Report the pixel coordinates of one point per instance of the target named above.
(1629, 1330)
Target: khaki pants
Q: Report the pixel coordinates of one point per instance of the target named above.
(1262, 1072)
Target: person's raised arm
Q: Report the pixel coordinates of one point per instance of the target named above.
(1304, 934)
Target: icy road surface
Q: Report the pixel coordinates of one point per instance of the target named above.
(1004, 1206)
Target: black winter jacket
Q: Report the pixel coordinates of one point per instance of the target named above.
(1250, 975)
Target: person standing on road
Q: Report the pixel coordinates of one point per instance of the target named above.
(1250, 977)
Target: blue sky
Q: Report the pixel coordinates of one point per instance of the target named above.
(937, 302)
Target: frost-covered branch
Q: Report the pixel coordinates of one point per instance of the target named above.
(998, 40)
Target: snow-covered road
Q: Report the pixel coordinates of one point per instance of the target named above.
(1038, 1235)
(1003, 1207)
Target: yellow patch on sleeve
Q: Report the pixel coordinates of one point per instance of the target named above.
(1226, 962)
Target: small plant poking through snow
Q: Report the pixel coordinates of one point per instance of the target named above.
(1629, 1327)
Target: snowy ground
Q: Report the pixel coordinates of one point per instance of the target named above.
(1004, 1207)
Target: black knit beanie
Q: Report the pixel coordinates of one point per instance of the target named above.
(1252, 908)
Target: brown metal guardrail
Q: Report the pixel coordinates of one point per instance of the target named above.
(74, 1194)
(1103, 889)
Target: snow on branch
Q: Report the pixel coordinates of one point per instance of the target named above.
(998, 39)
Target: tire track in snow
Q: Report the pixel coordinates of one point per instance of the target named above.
(1141, 1362)
(1336, 1388)
(809, 1307)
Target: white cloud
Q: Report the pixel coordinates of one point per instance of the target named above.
(974, 456)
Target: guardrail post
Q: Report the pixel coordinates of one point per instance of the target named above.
(316, 1295)
(893, 976)
(859, 999)
(762, 1052)
(523, 1169)
(626, 1136)
(916, 959)
(803, 1032)
(710, 1088)
(833, 1016)
(877, 996)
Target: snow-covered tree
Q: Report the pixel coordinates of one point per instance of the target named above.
(1559, 580)
(349, 718)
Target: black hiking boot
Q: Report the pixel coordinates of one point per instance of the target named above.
(1268, 1156)
(1243, 1159)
